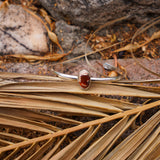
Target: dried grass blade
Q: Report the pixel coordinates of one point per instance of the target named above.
(143, 88)
(11, 136)
(153, 152)
(27, 152)
(39, 153)
(37, 116)
(70, 99)
(24, 123)
(142, 151)
(102, 154)
(73, 148)
(114, 102)
(92, 135)
(140, 81)
(12, 154)
(85, 141)
(5, 142)
(130, 144)
(94, 150)
(54, 57)
(6, 82)
(7, 75)
(82, 101)
(40, 104)
(53, 150)
(73, 87)
(23, 116)
(68, 111)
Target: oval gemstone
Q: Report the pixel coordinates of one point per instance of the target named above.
(84, 79)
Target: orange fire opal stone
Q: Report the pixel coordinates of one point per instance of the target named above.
(84, 79)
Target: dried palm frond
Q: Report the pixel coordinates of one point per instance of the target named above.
(52, 118)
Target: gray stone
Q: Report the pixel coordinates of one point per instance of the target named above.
(21, 33)
(71, 36)
(92, 13)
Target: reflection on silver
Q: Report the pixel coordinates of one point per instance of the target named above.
(84, 78)
(92, 78)
(66, 75)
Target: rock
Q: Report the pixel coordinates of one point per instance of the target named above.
(133, 70)
(24, 68)
(71, 36)
(93, 13)
(21, 33)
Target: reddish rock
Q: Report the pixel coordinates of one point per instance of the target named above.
(21, 33)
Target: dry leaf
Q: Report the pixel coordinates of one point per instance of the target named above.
(155, 35)
(53, 57)
(128, 48)
(54, 39)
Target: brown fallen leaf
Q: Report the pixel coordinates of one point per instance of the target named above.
(54, 39)
(46, 16)
(129, 48)
(54, 57)
(155, 35)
